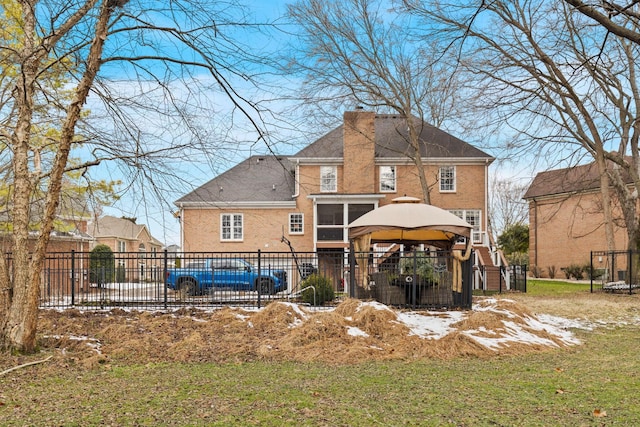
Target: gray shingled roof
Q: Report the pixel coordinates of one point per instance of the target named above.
(110, 226)
(257, 179)
(391, 138)
(575, 179)
(271, 179)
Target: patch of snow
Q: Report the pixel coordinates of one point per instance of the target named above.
(375, 304)
(296, 308)
(429, 325)
(516, 334)
(296, 322)
(356, 332)
(563, 323)
(92, 343)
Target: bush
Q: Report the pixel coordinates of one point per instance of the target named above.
(552, 271)
(575, 270)
(595, 273)
(323, 290)
(101, 265)
(536, 271)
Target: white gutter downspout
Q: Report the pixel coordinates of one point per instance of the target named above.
(296, 183)
(486, 199)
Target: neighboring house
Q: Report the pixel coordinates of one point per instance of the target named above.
(312, 196)
(69, 227)
(69, 235)
(566, 219)
(141, 255)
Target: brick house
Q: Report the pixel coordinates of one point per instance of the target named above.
(137, 252)
(566, 219)
(311, 196)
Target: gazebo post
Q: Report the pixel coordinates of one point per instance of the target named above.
(352, 270)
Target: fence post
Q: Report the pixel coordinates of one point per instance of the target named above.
(415, 278)
(73, 277)
(259, 277)
(591, 269)
(352, 270)
(629, 268)
(164, 275)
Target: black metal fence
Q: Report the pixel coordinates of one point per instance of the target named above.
(517, 275)
(251, 279)
(614, 271)
(428, 279)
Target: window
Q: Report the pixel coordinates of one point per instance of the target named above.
(231, 227)
(472, 216)
(357, 210)
(332, 218)
(122, 246)
(447, 179)
(296, 223)
(387, 179)
(328, 179)
(330, 222)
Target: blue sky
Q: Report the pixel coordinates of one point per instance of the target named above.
(194, 170)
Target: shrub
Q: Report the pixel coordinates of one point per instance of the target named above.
(552, 271)
(323, 290)
(101, 265)
(595, 273)
(536, 271)
(574, 270)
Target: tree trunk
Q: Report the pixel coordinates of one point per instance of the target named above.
(417, 159)
(19, 302)
(606, 202)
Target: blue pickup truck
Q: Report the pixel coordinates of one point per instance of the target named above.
(198, 276)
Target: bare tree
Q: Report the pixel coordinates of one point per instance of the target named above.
(622, 19)
(129, 61)
(506, 207)
(359, 51)
(545, 76)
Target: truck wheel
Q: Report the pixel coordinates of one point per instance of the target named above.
(267, 287)
(188, 287)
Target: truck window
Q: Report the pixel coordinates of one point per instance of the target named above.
(196, 264)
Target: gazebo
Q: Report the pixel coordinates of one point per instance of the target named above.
(437, 275)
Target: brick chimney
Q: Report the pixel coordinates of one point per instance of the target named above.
(359, 152)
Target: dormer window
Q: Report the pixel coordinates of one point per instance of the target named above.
(328, 179)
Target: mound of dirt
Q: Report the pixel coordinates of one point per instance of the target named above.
(355, 331)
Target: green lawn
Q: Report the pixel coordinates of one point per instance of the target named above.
(555, 287)
(573, 387)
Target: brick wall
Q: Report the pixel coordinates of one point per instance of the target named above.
(263, 230)
(359, 152)
(564, 231)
